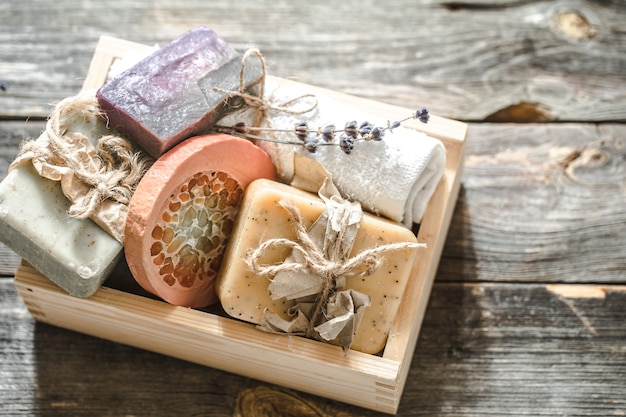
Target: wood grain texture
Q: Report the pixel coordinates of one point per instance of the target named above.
(540, 204)
(521, 60)
(485, 348)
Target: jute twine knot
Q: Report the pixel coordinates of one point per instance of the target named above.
(111, 171)
(364, 263)
(258, 102)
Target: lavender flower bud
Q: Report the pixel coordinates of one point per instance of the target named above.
(312, 144)
(240, 128)
(351, 129)
(346, 143)
(365, 128)
(328, 133)
(302, 131)
(395, 124)
(422, 115)
(377, 133)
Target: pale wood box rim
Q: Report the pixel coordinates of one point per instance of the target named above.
(370, 381)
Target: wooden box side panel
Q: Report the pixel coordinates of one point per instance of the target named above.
(364, 380)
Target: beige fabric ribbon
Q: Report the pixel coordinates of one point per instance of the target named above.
(315, 273)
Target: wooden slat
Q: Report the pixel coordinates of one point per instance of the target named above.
(530, 61)
(540, 204)
(12, 134)
(9, 261)
(512, 349)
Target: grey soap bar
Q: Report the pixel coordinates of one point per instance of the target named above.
(169, 96)
(75, 254)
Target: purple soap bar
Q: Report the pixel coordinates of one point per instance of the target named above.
(169, 96)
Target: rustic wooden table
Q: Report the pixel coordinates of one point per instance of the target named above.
(528, 311)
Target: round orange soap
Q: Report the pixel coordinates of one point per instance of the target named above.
(182, 213)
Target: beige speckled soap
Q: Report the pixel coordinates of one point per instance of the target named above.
(245, 296)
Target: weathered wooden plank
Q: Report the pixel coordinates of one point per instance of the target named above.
(485, 349)
(498, 349)
(540, 204)
(494, 60)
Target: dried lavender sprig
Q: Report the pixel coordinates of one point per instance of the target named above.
(301, 128)
(422, 115)
(311, 144)
(351, 132)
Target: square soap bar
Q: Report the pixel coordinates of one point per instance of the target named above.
(245, 296)
(169, 96)
(75, 254)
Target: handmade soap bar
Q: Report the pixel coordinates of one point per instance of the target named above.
(169, 96)
(245, 296)
(182, 212)
(75, 254)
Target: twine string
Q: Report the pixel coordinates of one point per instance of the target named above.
(314, 260)
(113, 173)
(258, 101)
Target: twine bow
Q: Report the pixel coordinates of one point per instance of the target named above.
(312, 256)
(258, 102)
(89, 175)
(315, 273)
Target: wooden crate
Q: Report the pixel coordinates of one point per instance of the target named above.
(212, 339)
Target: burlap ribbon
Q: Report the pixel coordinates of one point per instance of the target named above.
(97, 178)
